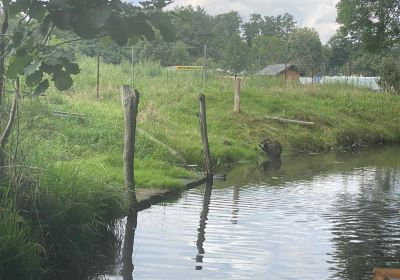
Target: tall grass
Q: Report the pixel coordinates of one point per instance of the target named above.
(19, 253)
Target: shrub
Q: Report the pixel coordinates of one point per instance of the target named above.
(390, 75)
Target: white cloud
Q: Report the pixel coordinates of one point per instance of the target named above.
(319, 14)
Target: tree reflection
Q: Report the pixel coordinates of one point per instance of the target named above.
(366, 226)
(202, 226)
(127, 261)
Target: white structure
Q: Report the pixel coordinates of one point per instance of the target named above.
(368, 82)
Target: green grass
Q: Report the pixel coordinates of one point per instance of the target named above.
(18, 252)
(168, 111)
(74, 164)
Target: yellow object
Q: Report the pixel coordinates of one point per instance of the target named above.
(188, 68)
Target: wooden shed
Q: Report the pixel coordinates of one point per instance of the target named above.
(285, 71)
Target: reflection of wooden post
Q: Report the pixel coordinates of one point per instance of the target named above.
(204, 136)
(236, 108)
(98, 78)
(127, 263)
(130, 102)
(202, 227)
(235, 205)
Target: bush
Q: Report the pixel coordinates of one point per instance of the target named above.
(390, 75)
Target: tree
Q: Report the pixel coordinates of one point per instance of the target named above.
(235, 58)
(285, 24)
(193, 27)
(280, 26)
(30, 54)
(390, 75)
(339, 46)
(374, 23)
(268, 50)
(252, 29)
(305, 48)
(225, 27)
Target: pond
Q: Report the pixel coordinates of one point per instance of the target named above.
(331, 216)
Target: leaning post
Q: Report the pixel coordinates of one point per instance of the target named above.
(204, 137)
(130, 102)
(236, 108)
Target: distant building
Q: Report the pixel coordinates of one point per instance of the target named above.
(285, 71)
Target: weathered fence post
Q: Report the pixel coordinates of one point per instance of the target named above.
(98, 79)
(236, 108)
(204, 137)
(130, 102)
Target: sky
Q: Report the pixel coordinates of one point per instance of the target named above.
(319, 14)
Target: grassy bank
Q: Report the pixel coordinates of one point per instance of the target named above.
(344, 117)
(69, 168)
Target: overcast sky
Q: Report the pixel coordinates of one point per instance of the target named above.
(320, 14)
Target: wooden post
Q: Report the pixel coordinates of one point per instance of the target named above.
(312, 74)
(130, 102)
(204, 137)
(133, 68)
(204, 77)
(236, 108)
(98, 79)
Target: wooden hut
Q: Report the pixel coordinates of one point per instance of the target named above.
(284, 71)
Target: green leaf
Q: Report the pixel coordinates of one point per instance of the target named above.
(117, 29)
(6, 3)
(51, 66)
(97, 16)
(62, 18)
(45, 25)
(42, 87)
(36, 11)
(72, 68)
(17, 37)
(18, 6)
(17, 65)
(62, 80)
(61, 53)
(138, 26)
(29, 43)
(34, 78)
(32, 68)
(89, 21)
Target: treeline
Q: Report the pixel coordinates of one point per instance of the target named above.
(236, 45)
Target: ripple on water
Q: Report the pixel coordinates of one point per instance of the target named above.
(334, 225)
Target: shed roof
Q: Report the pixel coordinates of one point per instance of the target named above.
(274, 69)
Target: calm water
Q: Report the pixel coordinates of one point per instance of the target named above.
(313, 217)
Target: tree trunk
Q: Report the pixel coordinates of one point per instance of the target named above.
(130, 102)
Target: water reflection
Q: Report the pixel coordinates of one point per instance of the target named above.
(127, 252)
(366, 226)
(270, 167)
(318, 217)
(235, 204)
(202, 226)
